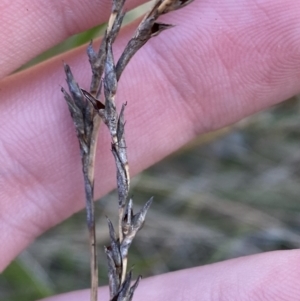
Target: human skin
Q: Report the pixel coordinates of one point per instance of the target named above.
(223, 61)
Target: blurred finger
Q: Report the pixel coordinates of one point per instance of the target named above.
(269, 276)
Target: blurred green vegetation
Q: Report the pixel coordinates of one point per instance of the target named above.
(70, 43)
(20, 279)
(225, 195)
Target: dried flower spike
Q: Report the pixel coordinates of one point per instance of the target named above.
(87, 112)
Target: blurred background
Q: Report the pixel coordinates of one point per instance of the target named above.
(229, 193)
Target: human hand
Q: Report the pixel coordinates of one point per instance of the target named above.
(221, 63)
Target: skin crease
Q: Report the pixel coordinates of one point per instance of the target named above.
(223, 61)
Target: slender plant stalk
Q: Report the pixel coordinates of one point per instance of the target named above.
(87, 111)
(87, 126)
(92, 227)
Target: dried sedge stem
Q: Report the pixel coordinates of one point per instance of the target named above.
(87, 111)
(147, 29)
(92, 227)
(86, 123)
